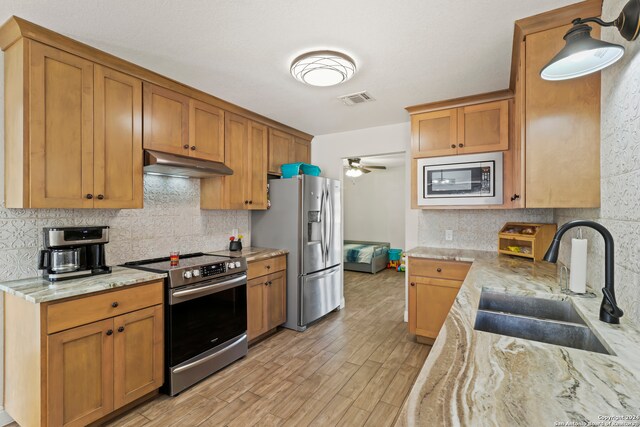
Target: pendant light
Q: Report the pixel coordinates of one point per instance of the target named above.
(584, 55)
(323, 68)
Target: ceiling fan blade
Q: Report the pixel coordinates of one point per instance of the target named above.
(374, 167)
(364, 170)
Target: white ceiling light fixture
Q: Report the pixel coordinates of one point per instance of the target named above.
(323, 68)
(354, 173)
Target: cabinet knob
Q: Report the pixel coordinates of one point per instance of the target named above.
(121, 329)
(246, 202)
(89, 196)
(185, 146)
(110, 332)
(270, 282)
(114, 304)
(439, 270)
(453, 145)
(250, 202)
(268, 267)
(413, 284)
(100, 196)
(266, 283)
(515, 197)
(193, 147)
(460, 145)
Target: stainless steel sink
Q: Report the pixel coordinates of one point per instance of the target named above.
(536, 319)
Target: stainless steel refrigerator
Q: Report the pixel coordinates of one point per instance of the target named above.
(305, 219)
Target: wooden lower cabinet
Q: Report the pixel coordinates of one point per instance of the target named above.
(431, 297)
(266, 300)
(81, 374)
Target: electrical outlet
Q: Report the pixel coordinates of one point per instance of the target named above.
(448, 235)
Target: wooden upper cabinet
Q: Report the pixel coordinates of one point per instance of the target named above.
(562, 130)
(483, 127)
(206, 131)
(80, 374)
(256, 170)
(117, 140)
(138, 353)
(236, 145)
(301, 151)
(61, 130)
(434, 133)
(166, 120)
(280, 146)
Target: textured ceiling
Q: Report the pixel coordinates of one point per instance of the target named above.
(407, 52)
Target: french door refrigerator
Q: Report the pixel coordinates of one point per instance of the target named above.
(305, 219)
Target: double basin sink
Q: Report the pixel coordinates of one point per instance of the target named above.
(537, 319)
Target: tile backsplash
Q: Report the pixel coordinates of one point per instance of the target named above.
(171, 220)
(620, 176)
(472, 229)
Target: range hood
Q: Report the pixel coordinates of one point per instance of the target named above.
(158, 163)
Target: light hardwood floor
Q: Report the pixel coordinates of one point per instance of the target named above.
(355, 367)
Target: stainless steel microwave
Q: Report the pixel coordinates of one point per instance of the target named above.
(471, 179)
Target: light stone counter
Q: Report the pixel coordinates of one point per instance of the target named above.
(37, 289)
(474, 378)
(252, 253)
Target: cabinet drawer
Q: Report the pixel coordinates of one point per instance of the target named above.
(454, 270)
(267, 266)
(65, 315)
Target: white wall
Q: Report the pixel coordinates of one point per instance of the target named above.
(620, 176)
(374, 206)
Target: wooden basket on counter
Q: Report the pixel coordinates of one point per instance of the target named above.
(526, 240)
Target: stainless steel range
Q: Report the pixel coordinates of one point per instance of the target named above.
(205, 315)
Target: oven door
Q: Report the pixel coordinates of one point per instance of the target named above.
(203, 316)
(460, 180)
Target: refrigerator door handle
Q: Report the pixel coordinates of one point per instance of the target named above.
(329, 224)
(323, 241)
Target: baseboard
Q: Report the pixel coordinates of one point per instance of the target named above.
(5, 418)
(406, 316)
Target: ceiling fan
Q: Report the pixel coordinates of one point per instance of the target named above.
(356, 169)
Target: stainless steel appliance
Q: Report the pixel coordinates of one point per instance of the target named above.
(305, 219)
(205, 315)
(471, 179)
(73, 252)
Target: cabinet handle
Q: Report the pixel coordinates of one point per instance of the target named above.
(100, 196)
(460, 145)
(193, 147)
(110, 332)
(114, 304)
(121, 329)
(185, 146)
(413, 284)
(515, 197)
(439, 270)
(453, 145)
(89, 196)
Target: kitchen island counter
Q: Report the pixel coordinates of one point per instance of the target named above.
(477, 378)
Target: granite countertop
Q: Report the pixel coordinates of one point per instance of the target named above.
(37, 289)
(252, 253)
(476, 378)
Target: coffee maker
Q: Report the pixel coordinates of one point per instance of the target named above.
(73, 252)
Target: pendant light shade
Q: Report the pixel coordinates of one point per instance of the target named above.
(323, 68)
(581, 55)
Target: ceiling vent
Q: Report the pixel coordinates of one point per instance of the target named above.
(357, 98)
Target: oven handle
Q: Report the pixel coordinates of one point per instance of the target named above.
(210, 289)
(211, 356)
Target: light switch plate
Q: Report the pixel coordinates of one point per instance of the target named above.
(448, 235)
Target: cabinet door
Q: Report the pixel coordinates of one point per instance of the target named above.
(61, 126)
(256, 303)
(206, 131)
(301, 151)
(80, 374)
(562, 120)
(257, 166)
(117, 139)
(280, 145)
(434, 133)
(166, 120)
(138, 354)
(411, 304)
(483, 127)
(277, 299)
(434, 298)
(236, 144)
